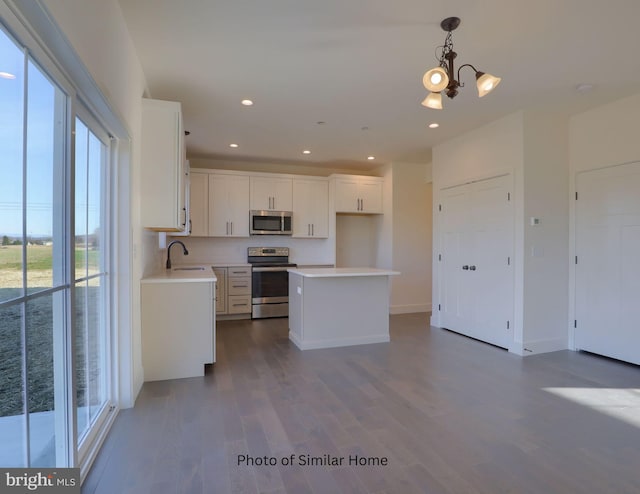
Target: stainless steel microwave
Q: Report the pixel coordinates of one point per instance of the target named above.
(270, 222)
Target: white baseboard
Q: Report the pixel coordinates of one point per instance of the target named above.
(535, 347)
(409, 308)
(337, 342)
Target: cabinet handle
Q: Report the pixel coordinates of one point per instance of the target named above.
(231, 227)
(313, 232)
(190, 227)
(472, 268)
(465, 268)
(239, 305)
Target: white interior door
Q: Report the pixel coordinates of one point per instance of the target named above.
(492, 280)
(608, 269)
(455, 252)
(477, 250)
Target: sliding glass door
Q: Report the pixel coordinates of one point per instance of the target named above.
(54, 278)
(91, 276)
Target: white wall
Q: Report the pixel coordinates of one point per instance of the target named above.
(217, 250)
(606, 135)
(532, 148)
(546, 246)
(98, 34)
(490, 150)
(412, 238)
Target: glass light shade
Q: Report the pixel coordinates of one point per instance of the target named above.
(436, 79)
(486, 83)
(433, 100)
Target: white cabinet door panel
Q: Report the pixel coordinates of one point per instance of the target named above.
(199, 204)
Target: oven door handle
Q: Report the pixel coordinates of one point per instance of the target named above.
(268, 270)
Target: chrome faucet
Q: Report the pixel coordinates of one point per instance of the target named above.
(184, 249)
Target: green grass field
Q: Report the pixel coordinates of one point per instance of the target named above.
(40, 317)
(40, 257)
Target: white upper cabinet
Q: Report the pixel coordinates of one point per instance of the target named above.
(163, 206)
(310, 208)
(186, 191)
(199, 204)
(228, 205)
(358, 194)
(271, 193)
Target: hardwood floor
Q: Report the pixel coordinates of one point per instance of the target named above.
(451, 415)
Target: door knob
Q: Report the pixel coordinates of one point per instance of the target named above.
(472, 268)
(465, 267)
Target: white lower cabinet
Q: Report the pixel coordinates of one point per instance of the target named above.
(234, 290)
(221, 290)
(178, 329)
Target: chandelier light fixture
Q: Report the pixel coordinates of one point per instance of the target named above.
(445, 78)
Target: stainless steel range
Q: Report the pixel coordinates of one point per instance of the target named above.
(270, 281)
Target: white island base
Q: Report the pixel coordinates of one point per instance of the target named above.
(333, 307)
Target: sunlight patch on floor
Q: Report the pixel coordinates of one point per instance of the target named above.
(620, 403)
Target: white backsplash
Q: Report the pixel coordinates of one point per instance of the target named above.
(207, 250)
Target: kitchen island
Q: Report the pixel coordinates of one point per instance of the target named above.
(332, 307)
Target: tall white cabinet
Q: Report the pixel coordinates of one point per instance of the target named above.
(163, 161)
(311, 207)
(476, 260)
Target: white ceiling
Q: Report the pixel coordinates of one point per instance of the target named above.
(359, 63)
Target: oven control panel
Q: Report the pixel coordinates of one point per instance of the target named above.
(268, 251)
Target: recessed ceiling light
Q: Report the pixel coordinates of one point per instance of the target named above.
(7, 75)
(233, 145)
(306, 151)
(434, 125)
(247, 102)
(371, 157)
(583, 88)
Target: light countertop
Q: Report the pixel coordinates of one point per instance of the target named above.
(180, 275)
(341, 272)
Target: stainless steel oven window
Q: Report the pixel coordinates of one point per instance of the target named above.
(269, 283)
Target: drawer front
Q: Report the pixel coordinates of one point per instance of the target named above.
(243, 271)
(239, 304)
(239, 285)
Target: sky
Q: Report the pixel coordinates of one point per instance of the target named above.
(39, 151)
